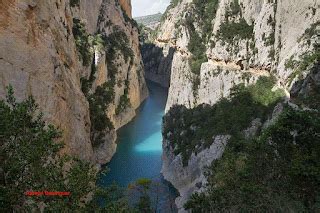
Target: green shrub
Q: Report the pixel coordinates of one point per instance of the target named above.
(196, 47)
(311, 31)
(290, 63)
(123, 104)
(195, 63)
(30, 153)
(98, 105)
(191, 128)
(230, 31)
(82, 40)
(74, 3)
(31, 160)
(124, 100)
(204, 12)
(300, 66)
(235, 7)
(272, 53)
(86, 84)
(270, 40)
(308, 93)
(114, 43)
(277, 171)
(85, 42)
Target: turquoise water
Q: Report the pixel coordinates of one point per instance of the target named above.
(139, 153)
(140, 143)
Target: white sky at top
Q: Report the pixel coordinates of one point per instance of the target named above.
(148, 7)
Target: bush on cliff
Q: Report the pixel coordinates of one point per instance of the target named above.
(191, 130)
(235, 30)
(82, 40)
(74, 3)
(204, 11)
(278, 171)
(124, 100)
(98, 105)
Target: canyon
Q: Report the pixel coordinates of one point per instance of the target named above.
(239, 42)
(234, 70)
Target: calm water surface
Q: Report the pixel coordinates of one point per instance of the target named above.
(140, 143)
(140, 148)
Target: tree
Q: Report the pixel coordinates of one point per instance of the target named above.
(30, 161)
(142, 186)
(278, 171)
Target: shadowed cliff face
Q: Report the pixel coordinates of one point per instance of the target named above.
(157, 63)
(43, 49)
(307, 91)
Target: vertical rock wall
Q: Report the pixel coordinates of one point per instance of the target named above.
(39, 57)
(268, 37)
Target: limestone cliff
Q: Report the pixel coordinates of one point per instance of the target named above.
(269, 39)
(126, 5)
(123, 67)
(157, 63)
(46, 48)
(157, 59)
(219, 44)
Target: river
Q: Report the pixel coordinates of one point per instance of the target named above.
(140, 146)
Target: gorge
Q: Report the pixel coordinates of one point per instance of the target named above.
(218, 99)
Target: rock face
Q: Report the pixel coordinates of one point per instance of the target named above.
(190, 179)
(157, 63)
(39, 57)
(279, 33)
(126, 5)
(113, 21)
(242, 40)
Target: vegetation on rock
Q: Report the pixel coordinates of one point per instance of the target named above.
(124, 100)
(196, 47)
(311, 31)
(100, 99)
(30, 161)
(74, 3)
(233, 30)
(99, 102)
(204, 11)
(117, 42)
(191, 130)
(302, 64)
(82, 39)
(277, 171)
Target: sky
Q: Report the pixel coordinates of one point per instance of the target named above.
(148, 7)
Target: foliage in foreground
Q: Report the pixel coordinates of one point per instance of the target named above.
(30, 161)
(278, 171)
